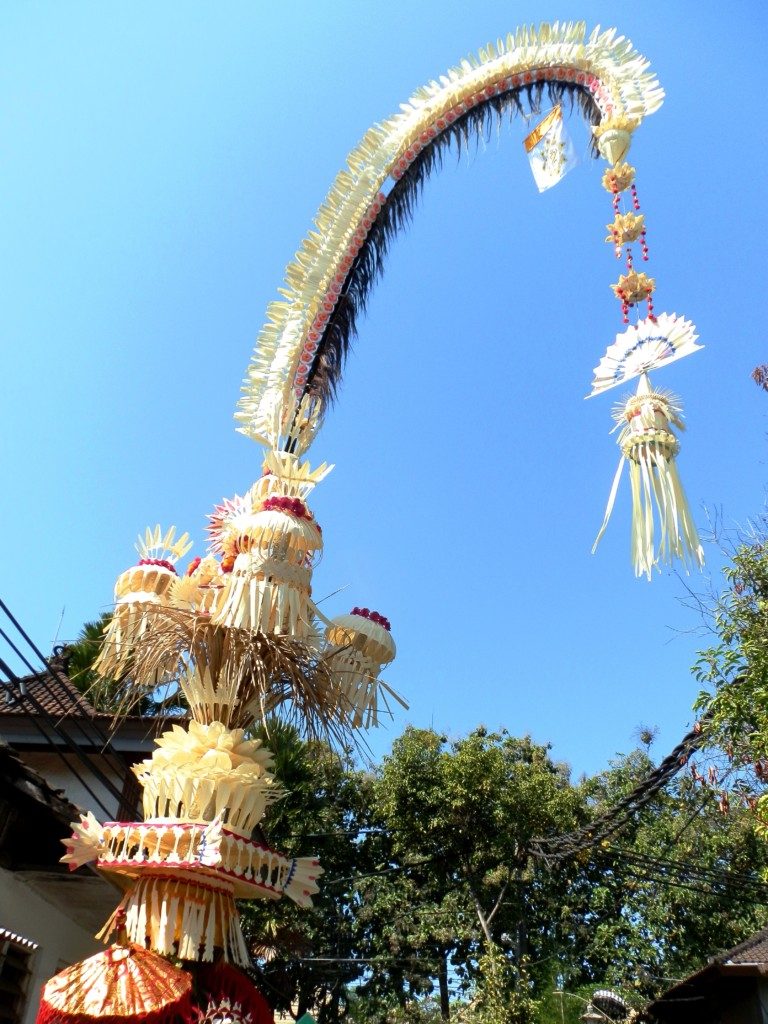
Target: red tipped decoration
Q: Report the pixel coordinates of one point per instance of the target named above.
(293, 506)
(159, 561)
(366, 613)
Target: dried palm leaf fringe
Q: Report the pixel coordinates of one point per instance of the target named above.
(475, 125)
(236, 676)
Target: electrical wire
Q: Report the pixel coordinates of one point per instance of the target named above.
(716, 874)
(552, 849)
(738, 887)
(383, 871)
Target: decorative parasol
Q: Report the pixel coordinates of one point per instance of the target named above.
(124, 983)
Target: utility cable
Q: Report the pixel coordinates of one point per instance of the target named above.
(552, 849)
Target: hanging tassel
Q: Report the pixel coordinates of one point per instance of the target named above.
(172, 915)
(267, 595)
(139, 592)
(271, 551)
(650, 448)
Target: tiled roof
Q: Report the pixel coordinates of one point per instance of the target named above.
(753, 951)
(52, 692)
(692, 998)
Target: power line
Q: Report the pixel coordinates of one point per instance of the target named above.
(742, 897)
(743, 887)
(552, 849)
(716, 874)
(383, 871)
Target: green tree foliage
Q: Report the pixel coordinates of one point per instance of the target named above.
(682, 881)
(428, 878)
(308, 959)
(464, 895)
(432, 907)
(734, 670)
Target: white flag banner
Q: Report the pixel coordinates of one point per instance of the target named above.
(550, 150)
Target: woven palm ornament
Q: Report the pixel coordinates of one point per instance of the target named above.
(240, 636)
(650, 448)
(662, 527)
(238, 632)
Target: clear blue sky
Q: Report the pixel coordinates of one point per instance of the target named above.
(159, 164)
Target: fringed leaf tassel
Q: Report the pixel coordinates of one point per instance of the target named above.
(266, 595)
(361, 693)
(180, 916)
(649, 446)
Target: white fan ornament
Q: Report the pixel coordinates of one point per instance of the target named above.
(646, 345)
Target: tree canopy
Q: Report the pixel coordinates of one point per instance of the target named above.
(435, 907)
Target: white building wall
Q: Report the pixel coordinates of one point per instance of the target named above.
(60, 941)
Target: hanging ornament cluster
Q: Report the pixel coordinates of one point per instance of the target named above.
(662, 525)
(633, 287)
(140, 593)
